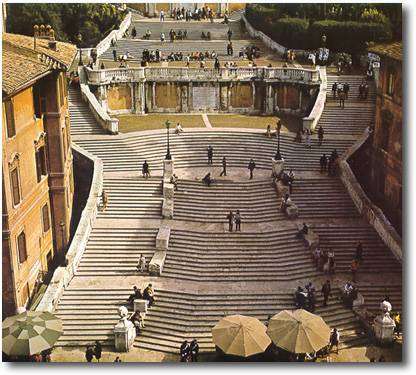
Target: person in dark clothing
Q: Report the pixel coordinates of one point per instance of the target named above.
(320, 135)
(251, 166)
(230, 218)
(194, 349)
(311, 301)
(237, 220)
(102, 66)
(217, 64)
(346, 89)
(89, 354)
(145, 170)
(210, 151)
(133, 32)
(98, 350)
(359, 252)
(229, 34)
(114, 55)
(185, 351)
(207, 180)
(300, 298)
(137, 294)
(224, 167)
(334, 90)
(148, 294)
(323, 161)
(326, 291)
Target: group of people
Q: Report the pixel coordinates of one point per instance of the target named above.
(198, 14)
(93, 351)
(249, 52)
(189, 351)
(340, 91)
(324, 260)
(305, 297)
(234, 218)
(329, 164)
(363, 90)
(147, 294)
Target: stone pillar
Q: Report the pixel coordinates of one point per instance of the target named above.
(184, 98)
(190, 97)
(102, 97)
(300, 98)
(253, 88)
(223, 97)
(284, 96)
(143, 97)
(168, 190)
(384, 325)
(124, 332)
(167, 169)
(269, 99)
(278, 166)
(154, 95)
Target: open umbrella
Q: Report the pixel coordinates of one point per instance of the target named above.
(240, 335)
(298, 331)
(30, 333)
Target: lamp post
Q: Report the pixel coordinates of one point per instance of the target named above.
(168, 155)
(278, 156)
(79, 39)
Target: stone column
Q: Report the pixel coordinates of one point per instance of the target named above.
(102, 97)
(184, 98)
(168, 190)
(253, 88)
(154, 95)
(300, 98)
(269, 99)
(124, 332)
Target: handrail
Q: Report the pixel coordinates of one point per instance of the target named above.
(310, 122)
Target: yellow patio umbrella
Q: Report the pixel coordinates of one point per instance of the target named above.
(298, 331)
(240, 335)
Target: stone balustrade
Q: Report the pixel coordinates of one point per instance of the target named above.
(310, 122)
(373, 214)
(63, 275)
(106, 76)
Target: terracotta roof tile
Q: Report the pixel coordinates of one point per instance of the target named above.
(393, 50)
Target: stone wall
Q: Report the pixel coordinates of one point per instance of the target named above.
(310, 122)
(119, 98)
(63, 275)
(373, 214)
(241, 95)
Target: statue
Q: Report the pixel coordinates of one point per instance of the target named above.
(384, 325)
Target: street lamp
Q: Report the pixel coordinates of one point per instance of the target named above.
(168, 155)
(278, 156)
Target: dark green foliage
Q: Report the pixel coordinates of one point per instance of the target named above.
(93, 21)
(293, 31)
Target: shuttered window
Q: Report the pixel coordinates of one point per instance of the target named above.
(45, 218)
(14, 178)
(21, 247)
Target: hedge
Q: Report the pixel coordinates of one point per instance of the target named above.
(291, 32)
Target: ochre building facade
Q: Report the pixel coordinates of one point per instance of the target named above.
(37, 172)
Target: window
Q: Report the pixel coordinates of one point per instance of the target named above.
(11, 129)
(14, 178)
(21, 247)
(45, 218)
(390, 82)
(41, 169)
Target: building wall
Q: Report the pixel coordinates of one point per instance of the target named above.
(241, 95)
(167, 95)
(119, 97)
(50, 130)
(386, 155)
(27, 215)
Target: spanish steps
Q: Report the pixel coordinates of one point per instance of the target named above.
(209, 272)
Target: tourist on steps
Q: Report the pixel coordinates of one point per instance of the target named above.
(224, 167)
(268, 131)
(334, 340)
(145, 170)
(97, 350)
(207, 180)
(320, 135)
(148, 294)
(185, 351)
(230, 218)
(326, 291)
(178, 128)
(359, 252)
(104, 199)
(210, 152)
(141, 265)
(137, 294)
(174, 181)
(237, 221)
(308, 139)
(89, 353)
(194, 350)
(251, 166)
(323, 161)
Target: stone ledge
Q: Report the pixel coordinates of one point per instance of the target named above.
(62, 275)
(157, 262)
(162, 238)
(167, 208)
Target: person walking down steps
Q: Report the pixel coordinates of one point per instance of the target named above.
(237, 220)
(210, 152)
(230, 218)
(224, 167)
(251, 166)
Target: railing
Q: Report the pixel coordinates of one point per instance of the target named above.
(106, 76)
(115, 35)
(63, 275)
(373, 214)
(312, 120)
(106, 122)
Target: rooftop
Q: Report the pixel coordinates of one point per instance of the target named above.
(22, 63)
(392, 50)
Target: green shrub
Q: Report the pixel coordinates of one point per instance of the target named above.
(291, 32)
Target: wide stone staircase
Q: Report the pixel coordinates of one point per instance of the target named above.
(82, 120)
(343, 239)
(116, 251)
(190, 150)
(357, 114)
(90, 314)
(238, 256)
(373, 295)
(133, 197)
